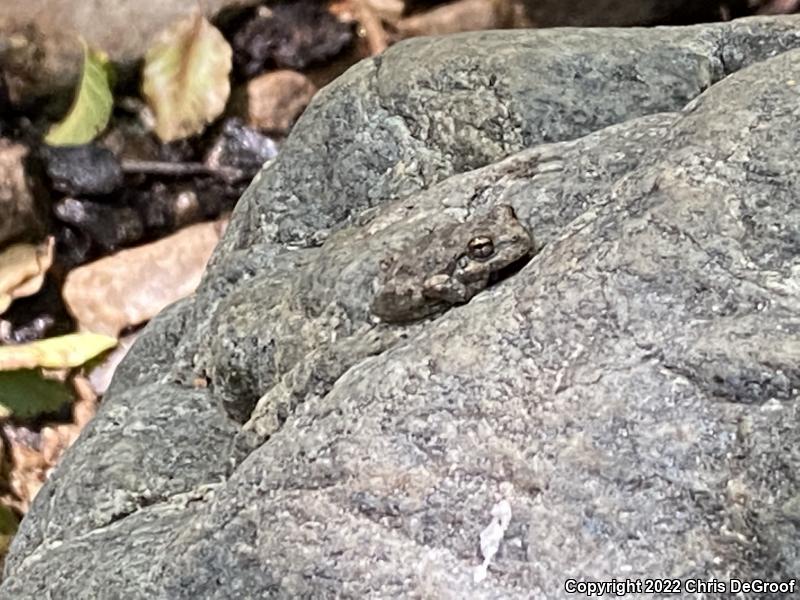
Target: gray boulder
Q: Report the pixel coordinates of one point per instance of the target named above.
(622, 405)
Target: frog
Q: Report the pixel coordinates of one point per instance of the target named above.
(450, 265)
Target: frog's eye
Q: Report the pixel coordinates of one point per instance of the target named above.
(481, 247)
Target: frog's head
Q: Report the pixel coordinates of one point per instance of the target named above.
(498, 242)
(469, 256)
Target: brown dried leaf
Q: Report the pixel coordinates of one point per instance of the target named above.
(22, 270)
(185, 78)
(26, 470)
(34, 455)
(27, 475)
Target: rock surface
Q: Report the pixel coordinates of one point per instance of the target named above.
(625, 405)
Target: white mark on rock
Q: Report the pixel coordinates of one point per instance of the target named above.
(492, 536)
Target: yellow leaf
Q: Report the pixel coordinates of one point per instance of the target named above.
(61, 352)
(92, 106)
(22, 270)
(185, 79)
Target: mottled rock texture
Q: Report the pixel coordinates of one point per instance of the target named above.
(631, 392)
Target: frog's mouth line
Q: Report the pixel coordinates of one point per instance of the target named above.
(510, 269)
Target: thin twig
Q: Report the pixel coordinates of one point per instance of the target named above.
(179, 169)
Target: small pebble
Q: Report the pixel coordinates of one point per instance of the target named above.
(87, 170)
(108, 227)
(242, 148)
(276, 99)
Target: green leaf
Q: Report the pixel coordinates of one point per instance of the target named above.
(26, 393)
(185, 79)
(62, 352)
(91, 108)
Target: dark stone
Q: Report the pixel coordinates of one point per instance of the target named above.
(83, 170)
(156, 207)
(109, 227)
(179, 151)
(242, 148)
(5, 106)
(73, 247)
(38, 316)
(293, 35)
(166, 207)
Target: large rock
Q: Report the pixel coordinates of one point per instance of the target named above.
(628, 398)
